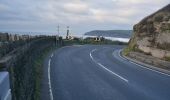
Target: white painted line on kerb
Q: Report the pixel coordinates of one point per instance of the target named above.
(143, 66)
(150, 69)
(106, 68)
(119, 55)
(49, 80)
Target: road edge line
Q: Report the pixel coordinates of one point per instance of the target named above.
(49, 78)
(144, 65)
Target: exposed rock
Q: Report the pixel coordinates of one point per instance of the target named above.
(150, 60)
(152, 34)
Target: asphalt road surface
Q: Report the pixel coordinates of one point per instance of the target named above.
(92, 72)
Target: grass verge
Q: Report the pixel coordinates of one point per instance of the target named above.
(38, 65)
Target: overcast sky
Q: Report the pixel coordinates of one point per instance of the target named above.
(80, 15)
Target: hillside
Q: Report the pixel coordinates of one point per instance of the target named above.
(152, 35)
(111, 33)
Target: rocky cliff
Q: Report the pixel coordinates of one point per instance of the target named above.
(152, 34)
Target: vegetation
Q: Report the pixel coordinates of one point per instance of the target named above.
(26, 71)
(167, 58)
(110, 33)
(159, 18)
(91, 41)
(7, 47)
(131, 47)
(164, 46)
(165, 27)
(127, 50)
(38, 65)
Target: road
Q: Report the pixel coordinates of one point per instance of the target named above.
(99, 73)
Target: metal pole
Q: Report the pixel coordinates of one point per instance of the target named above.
(57, 37)
(67, 37)
(58, 30)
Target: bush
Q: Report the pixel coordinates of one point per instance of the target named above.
(167, 58)
(164, 46)
(26, 71)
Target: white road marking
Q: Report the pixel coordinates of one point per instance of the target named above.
(106, 68)
(113, 72)
(52, 55)
(7, 95)
(120, 55)
(49, 80)
(92, 56)
(149, 68)
(141, 65)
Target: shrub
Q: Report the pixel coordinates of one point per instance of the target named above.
(167, 58)
(159, 18)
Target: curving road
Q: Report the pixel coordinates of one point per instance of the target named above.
(99, 73)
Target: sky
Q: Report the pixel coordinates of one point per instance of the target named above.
(81, 15)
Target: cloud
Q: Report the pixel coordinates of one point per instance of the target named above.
(76, 8)
(3, 7)
(81, 15)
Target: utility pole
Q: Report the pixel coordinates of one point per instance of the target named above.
(57, 36)
(58, 30)
(67, 37)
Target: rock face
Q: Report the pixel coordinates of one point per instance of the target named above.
(152, 34)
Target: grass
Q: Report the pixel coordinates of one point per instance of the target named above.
(38, 65)
(167, 58)
(129, 48)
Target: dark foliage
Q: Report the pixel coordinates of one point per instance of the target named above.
(24, 73)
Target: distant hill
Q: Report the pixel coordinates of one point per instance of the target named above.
(111, 33)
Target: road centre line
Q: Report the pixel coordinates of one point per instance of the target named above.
(122, 78)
